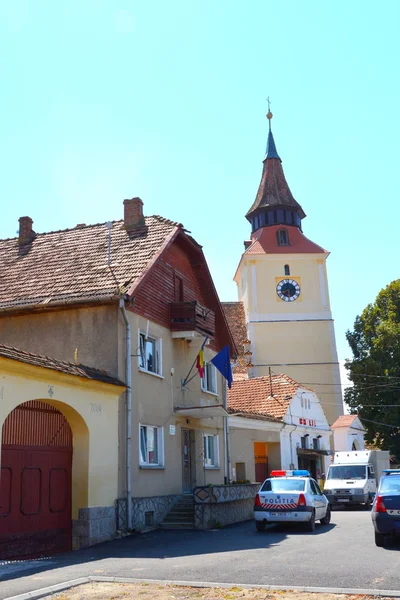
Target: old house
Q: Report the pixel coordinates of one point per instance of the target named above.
(134, 299)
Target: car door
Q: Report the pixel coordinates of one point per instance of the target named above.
(319, 500)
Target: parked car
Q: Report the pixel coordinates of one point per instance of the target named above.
(386, 507)
(291, 497)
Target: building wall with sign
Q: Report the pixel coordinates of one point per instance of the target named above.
(305, 438)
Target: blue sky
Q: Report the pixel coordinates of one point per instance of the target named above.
(105, 100)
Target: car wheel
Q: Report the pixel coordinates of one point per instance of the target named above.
(260, 525)
(379, 539)
(310, 525)
(327, 518)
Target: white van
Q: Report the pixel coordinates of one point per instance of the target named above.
(353, 476)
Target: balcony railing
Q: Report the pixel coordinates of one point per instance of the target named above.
(192, 316)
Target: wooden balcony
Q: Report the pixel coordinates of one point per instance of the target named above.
(191, 318)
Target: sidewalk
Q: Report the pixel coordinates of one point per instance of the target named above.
(103, 590)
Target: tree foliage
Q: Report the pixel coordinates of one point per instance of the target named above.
(375, 369)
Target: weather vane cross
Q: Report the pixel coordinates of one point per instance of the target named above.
(269, 104)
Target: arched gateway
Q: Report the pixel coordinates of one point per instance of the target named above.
(36, 486)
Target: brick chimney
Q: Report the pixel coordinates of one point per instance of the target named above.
(26, 234)
(133, 214)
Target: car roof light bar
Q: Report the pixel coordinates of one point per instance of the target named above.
(291, 473)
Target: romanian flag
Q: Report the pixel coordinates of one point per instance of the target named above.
(200, 363)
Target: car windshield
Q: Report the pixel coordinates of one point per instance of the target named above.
(390, 485)
(283, 485)
(347, 472)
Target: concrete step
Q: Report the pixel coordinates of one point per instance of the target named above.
(168, 525)
(177, 519)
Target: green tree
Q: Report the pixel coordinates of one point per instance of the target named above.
(375, 369)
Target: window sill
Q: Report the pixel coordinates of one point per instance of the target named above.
(212, 468)
(150, 373)
(152, 467)
(215, 394)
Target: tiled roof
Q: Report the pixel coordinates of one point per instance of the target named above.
(254, 395)
(344, 421)
(234, 312)
(264, 241)
(57, 365)
(71, 265)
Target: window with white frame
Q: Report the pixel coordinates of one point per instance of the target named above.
(150, 354)
(211, 450)
(209, 381)
(151, 445)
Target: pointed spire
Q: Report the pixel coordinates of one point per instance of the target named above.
(271, 148)
(274, 192)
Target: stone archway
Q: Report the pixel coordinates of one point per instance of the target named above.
(41, 485)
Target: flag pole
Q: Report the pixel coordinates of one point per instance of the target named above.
(186, 380)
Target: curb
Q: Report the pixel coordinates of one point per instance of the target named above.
(60, 587)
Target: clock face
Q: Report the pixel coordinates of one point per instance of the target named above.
(288, 290)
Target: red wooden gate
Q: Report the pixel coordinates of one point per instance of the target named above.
(35, 482)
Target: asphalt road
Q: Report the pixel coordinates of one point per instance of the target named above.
(341, 555)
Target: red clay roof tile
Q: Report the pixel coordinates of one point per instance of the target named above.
(268, 396)
(264, 241)
(344, 421)
(234, 313)
(71, 265)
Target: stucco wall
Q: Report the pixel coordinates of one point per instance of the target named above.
(306, 323)
(153, 401)
(59, 333)
(91, 409)
(344, 438)
(242, 445)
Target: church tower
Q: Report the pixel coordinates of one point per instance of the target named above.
(282, 282)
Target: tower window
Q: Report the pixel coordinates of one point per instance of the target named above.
(287, 270)
(282, 237)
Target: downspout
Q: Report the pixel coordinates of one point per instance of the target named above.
(227, 474)
(290, 435)
(128, 380)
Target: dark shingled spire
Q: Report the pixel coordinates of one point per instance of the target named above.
(273, 191)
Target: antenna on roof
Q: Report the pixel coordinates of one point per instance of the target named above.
(270, 382)
(109, 226)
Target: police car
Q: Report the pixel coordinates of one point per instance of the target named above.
(386, 507)
(291, 497)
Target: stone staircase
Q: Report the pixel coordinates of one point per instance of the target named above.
(181, 515)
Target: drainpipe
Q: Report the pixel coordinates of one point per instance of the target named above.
(128, 379)
(227, 474)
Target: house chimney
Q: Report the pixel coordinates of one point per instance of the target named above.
(26, 234)
(133, 214)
